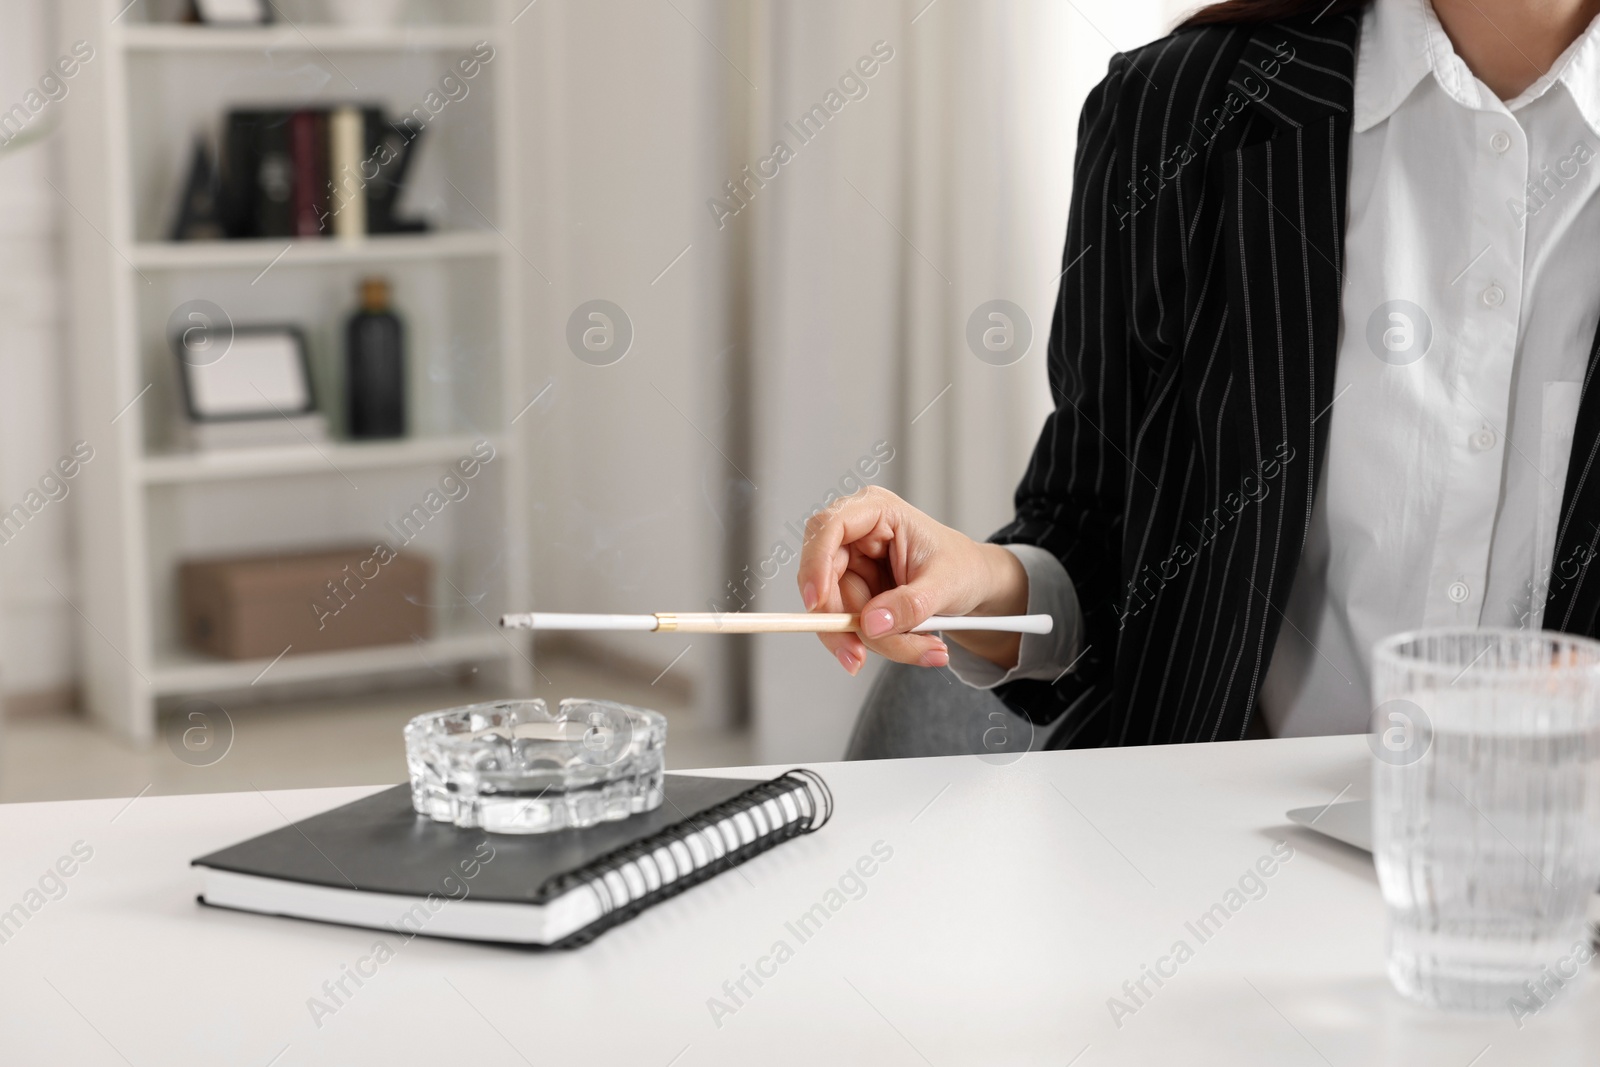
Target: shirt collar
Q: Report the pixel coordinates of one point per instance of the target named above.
(1394, 54)
(1578, 68)
(1402, 43)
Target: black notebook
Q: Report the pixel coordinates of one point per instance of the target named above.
(377, 863)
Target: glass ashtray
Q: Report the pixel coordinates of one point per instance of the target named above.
(516, 767)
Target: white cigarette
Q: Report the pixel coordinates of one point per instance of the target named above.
(752, 622)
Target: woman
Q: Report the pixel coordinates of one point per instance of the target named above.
(1331, 297)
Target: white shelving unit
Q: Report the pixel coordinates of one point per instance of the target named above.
(145, 505)
(310, 251)
(175, 468)
(298, 37)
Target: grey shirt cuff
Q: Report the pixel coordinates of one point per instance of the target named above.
(1042, 657)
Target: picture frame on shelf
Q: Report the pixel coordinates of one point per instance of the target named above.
(263, 372)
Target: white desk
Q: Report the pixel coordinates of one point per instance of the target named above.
(1007, 916)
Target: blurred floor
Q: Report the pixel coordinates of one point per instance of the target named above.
(342, 741)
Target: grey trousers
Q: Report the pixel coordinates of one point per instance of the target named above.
(918, 711)
(922, 711)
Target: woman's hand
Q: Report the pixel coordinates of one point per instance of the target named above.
(875, 554)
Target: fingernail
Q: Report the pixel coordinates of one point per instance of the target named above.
(846, 660)
(877, 622)
(808, 595)
(936, 657)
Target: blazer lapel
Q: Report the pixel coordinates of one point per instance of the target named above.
(1572, 593)
(1284, 221)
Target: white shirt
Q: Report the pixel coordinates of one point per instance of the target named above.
(1471, 298)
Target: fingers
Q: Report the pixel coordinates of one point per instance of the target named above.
(919, 650)
(860, 581)
(852, 519)
(845, 566)
(878, 630)
(853, 589)
(848, 650)
(897, 610)
(886, 617)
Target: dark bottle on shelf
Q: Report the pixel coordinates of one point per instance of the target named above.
(375, 366)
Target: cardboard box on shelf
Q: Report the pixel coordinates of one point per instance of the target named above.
(254, 607)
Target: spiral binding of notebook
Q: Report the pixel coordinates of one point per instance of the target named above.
(702, 846)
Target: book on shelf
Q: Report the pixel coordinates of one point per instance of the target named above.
(346, 152)
(308, 146)
(255, 166)
(312, 172)
(200, 209)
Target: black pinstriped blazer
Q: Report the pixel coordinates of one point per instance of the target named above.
(1191, 359)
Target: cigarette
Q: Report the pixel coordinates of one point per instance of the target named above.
(753, 622)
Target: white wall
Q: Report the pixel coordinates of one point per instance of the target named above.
(37, 634)
(624, 103)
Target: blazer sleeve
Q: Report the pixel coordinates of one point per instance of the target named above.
(1071, 500)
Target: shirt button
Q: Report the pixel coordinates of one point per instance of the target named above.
(1494, 296)
(1458, 592)
(1483, 440)
(1500, 143)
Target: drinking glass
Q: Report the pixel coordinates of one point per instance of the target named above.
(1486, 812)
